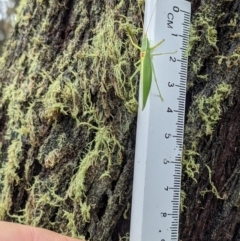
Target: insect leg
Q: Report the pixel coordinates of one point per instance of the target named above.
(163, 53)
(137, 70)
(156, 45)
(137, 63)
(155, 78)
(135, 45)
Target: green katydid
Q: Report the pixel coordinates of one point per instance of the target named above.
(145, 65)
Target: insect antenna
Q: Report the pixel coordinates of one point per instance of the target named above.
(151, 16)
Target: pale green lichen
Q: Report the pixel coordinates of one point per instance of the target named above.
(209, 112)
(189, 165)
(233, 21)
(182, 200)
(231, 60)
(125, 214)
(203, 77)
(203, 32)
(125, 238)
(100, 149)
(214, 189)
(34, 211)
(210, 108)
(193, 38)
(85, 211)
(9, 176)
(71, 225)
(203, 20)
(36, 92)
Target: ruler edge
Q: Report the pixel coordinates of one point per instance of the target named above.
(189, 7)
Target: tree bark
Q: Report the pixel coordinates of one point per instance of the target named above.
(211, 140)
(68, 119)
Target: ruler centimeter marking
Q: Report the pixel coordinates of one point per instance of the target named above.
(160, 127)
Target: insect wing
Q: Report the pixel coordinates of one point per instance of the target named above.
(146, 75)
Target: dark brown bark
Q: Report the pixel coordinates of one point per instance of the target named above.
(67, 137)
(68, 120)
(206, 216)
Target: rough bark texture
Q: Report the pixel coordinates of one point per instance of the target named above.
(68, 119)
(212, 151)
(68, 116)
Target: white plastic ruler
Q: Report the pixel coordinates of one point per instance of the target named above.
(160, 127)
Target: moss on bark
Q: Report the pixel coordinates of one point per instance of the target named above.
(68, 112)
(68, 117)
